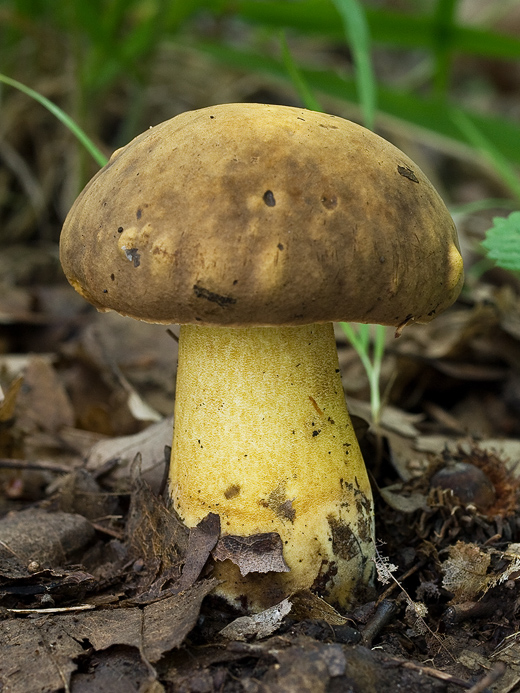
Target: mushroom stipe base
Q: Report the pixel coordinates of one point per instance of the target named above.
(263, 438)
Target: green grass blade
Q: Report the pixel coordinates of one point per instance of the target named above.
(85, 140)
(482, 206)
(359, 338)
(390, 27)
(420, 113)
(358, 38)
(444, 23)
(483, 144)
(297, 79)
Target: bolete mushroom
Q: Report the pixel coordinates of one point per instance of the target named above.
(255, 227)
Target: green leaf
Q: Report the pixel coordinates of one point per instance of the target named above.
(503, 242)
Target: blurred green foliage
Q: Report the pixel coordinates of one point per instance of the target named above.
(104, 40)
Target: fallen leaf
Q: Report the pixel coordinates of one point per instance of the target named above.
(120, 670)
(465, 571)
(43, 404)
(153, 531)
(121, 452)
(36, 655)
(49, 539)
(404, 502)
(307, 605)
(167, 622)
(258, 553)
(259, 625)
(201, 541)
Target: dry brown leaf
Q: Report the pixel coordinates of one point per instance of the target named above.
(307, 605)
(153, 531)
(201, 541)
(167, 622)
(119, 670)
(36, 655)
(121, 452)
(259, 625)
(258, 553)
(43, 404)
(465, 572)
(49, 539)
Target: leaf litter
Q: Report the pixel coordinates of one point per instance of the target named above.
(101, 583)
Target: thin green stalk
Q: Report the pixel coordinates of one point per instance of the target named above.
(443, 39)
(85, 140)
(358, 37)
(360, 340)
(482, 206)
(480, 142)
(298, 80)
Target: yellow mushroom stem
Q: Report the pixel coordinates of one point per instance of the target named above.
(263, 438)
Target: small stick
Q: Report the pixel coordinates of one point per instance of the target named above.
(54, 610)
(385, 611)
(400, 579)
(436, 674)
(172, 334)
(8, 463)
(111, 532)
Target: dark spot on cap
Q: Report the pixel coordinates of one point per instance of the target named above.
(407, 173)
(382, 259)
(222, 301)
(329, 201)
(105, 291)
(112, 277)
(280, 246)
(139, 213)
(316, 433)
(211, 117)
(269, 198)
(120, 229)
(232, 491)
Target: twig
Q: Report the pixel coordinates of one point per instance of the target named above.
(163, 488)
(7, 463)
(435, 673)
(400, 579)
(54, 610)
(385, 611)
(172, 334)
(111, 532)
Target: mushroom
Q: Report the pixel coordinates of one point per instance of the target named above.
(255, 227)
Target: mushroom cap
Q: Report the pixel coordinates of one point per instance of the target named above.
(251, 214)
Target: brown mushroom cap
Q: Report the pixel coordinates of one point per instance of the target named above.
(249, 214)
